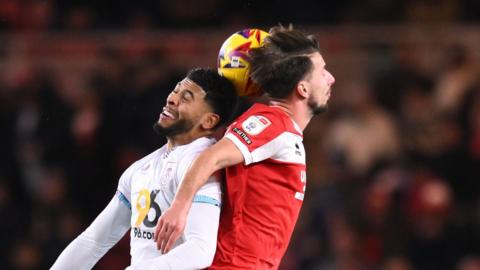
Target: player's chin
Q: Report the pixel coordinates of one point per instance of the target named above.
(160, 127)
(319, 109)
(165, 121)
(166, 125)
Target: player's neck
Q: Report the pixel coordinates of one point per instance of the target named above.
(297, 111)
(184, 138)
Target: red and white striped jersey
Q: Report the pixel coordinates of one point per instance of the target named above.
(263, 195)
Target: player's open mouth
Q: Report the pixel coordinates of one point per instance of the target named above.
(166, 113)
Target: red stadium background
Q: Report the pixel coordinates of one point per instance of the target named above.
(393, 166)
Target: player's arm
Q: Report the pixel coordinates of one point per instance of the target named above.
(106, 230)
(198, 250)
(172, 222)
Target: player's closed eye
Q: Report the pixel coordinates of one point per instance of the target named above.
(187, 96)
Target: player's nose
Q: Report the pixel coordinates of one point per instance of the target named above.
(173, 99)
(330, 79)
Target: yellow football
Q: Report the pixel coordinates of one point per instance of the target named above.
(234, 61)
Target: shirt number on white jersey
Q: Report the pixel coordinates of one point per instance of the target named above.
(145, 202)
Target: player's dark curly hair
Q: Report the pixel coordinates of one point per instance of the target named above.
(220, 91)
(282, 61)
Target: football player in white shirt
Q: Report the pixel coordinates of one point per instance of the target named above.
(198, 105)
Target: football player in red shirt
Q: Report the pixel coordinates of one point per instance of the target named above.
(264, 156)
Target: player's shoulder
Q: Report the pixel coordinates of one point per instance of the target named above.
(195, 146)
(262, 117)
(141, 164)
(146, 159)
(260, 108)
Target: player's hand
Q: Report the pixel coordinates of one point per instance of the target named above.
(170, 227)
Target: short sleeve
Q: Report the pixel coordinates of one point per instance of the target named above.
(254, 135)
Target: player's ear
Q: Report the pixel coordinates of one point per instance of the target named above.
(302, 89)
(210, 120)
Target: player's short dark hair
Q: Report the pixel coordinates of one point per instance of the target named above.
(221, 95)
(282, 61)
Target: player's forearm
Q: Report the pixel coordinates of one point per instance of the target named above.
(191, 255)
(80, 254)
(97, 239)
(198, 250)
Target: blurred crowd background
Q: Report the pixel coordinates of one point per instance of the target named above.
(393, 166)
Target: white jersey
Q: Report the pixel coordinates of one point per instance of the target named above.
(145, 190)
(148, 187)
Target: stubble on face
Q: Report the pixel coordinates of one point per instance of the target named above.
(180, 127)
(315, 108)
